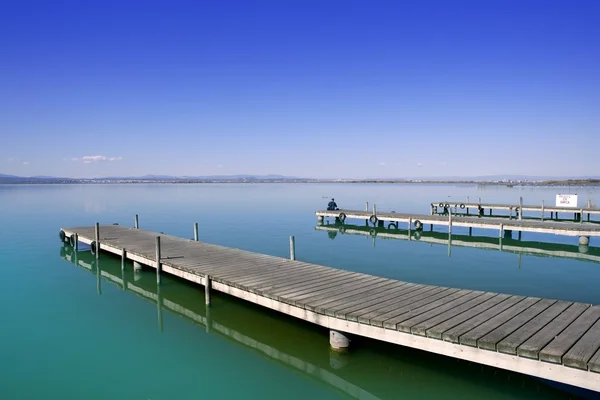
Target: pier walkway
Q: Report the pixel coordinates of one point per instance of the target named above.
(549, 339)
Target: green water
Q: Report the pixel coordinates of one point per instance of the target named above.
(71, 331)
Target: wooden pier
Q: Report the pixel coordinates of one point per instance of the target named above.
(416, 221)
(549, 339)
(506, 244)
(475, 209)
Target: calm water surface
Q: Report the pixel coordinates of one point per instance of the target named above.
(70, 330)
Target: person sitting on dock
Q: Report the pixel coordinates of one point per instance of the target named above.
(332, 205)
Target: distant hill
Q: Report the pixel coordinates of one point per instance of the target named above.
(550, 180)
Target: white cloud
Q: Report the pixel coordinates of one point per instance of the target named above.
(382, 164)
(94, 159)
(419, 164)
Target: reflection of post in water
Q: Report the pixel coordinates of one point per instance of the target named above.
(331, 234)
(208, 319)
(159, 308)
(98, 275)
(449, 244)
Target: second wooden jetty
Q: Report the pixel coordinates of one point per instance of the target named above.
(416, 221)
(545, 338)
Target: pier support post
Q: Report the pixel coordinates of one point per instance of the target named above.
(501, 230)
(207, 285)
(123, 258)
(97, 234)
(292, 248)
(521, 208)
(158, 265)
(136, 222)
(584, 240)
(338, 340)
(76, 244)
(196, 231)
(450, 223)
(320, 219)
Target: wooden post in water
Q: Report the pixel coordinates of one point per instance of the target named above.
(521, 208)
(123, 258)
(292, 248)
(136, 222)
(207, 286)
(97, 239)
(158, 265)
(409, 226)
(500, 235)
(450, 222)
(76, 244)
(196, 231)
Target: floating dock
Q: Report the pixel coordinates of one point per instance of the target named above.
(549, 339)
(416, 221)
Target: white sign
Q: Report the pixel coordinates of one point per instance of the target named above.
(566, 200)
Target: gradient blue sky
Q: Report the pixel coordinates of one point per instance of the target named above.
(303, 88)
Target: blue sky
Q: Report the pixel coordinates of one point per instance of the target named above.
(303, 88)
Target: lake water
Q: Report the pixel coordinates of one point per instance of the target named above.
(68, 332)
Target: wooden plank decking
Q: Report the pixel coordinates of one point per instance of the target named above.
(553, 340)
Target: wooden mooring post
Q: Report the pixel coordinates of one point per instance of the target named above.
(136, 222)
(196, 231)
(97, 234)
(521, 208)
(207, 286)
(158, 265)
(292, 248)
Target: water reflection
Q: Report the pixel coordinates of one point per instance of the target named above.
(372, 370)
(509, 242)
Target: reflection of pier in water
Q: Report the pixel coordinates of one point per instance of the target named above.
(152, 293)
(241, 324)
(505, 243)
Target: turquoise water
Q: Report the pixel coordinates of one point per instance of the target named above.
(71, 331)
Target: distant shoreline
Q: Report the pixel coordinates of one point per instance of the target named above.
(55, 181)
